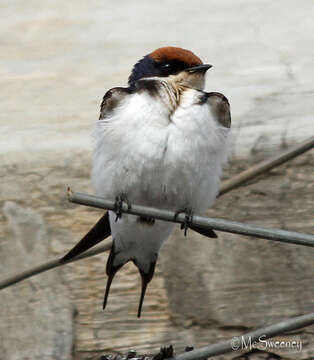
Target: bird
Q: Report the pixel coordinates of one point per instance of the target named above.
(162, 142)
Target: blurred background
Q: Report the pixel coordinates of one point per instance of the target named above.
(57, 61)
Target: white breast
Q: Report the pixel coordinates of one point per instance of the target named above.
(157, 158)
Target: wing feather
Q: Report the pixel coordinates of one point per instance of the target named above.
(111, 101)
(220, 108)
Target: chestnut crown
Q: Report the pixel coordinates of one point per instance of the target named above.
(163, 62)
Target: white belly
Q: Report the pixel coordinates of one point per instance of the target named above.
(159, 163)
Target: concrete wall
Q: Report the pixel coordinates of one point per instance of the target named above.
(57, 61)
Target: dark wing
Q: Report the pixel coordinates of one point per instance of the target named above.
(111, 100)
(220, 107)
(100, 231)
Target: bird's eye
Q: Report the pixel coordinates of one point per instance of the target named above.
(166, 66)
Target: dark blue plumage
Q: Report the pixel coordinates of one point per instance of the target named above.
(143, 68)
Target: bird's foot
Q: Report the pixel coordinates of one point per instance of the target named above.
(188, 218)
(118, 205)
(188, 223)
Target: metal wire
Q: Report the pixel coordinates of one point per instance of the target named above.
(50, 265)
(226, 186)
(218, 224)
(289, 237)
(255, 335)
(266, 165)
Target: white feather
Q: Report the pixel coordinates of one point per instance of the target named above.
(162, 159)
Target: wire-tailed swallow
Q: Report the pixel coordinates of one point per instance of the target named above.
(160, 142)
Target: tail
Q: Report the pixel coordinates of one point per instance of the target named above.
(139, 240)
(146, 278)
(112, 269)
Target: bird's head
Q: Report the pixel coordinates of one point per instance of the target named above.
(178, 64)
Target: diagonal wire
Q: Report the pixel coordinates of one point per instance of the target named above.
(219, 224)
(52, 264)
(226, 186)
(289, 237)
(238, 342)
(266, 165)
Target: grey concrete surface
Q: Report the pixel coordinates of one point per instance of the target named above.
(35, 316)
(195, 300)
(58, 59)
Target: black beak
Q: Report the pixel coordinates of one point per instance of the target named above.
(199, 68)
